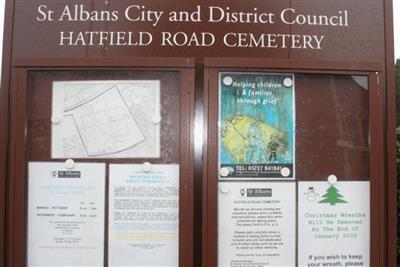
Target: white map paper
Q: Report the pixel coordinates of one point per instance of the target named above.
(106, 119)
(256, 224)
(66, 215)
(143, 216)
(334, 224)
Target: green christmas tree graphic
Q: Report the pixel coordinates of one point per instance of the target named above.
(332, 196)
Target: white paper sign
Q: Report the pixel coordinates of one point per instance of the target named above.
(106, 119)
(144, 215)
(334, 224)
(66, 214)
(256, 224)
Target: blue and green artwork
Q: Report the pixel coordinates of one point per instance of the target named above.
(256, 120)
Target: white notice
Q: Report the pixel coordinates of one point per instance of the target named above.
(144, 216)
(256, 224)
(106, 119)
(66, 214)
(334, 224)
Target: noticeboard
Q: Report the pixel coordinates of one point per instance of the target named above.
(322, 214)
(107, 156)
(205, 133)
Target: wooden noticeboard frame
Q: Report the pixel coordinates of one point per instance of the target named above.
(16, 240)
(31, 46)
(378, 227)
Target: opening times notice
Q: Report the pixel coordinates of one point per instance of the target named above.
(256, 224)
(66, 214)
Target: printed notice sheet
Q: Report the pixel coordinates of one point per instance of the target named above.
(106, 119)
(66, 214)
(143, 215)
(256, 224)
(256, 118)
(334, 224)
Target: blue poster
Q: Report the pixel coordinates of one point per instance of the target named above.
(256, 125)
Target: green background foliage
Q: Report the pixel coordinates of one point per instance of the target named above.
(398, 194)
(398, 90)
(398, 156)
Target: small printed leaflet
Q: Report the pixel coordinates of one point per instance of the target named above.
(66, 214)
(334, 224)
(106, 119)
(144, 215)
(256, 224)
(256, 125)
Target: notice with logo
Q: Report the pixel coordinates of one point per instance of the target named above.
(66, 214)
(144, 215)
(256, 224)
(334, 224)
(256, 117)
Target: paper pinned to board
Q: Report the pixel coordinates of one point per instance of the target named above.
(105, 119)
(144, 215)
(334, 223)
(256, 224)
(256, 126)
(66, 214)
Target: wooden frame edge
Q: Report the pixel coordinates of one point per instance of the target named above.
(118, 62)
(377, 166)
(284, 64)
(390, 109)
(4, 123)
(186, 162)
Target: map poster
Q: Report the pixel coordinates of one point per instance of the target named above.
(256, 120)
(143, 215)
(66, 214)
(256, 224)
(106, 119)
(334, 224)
